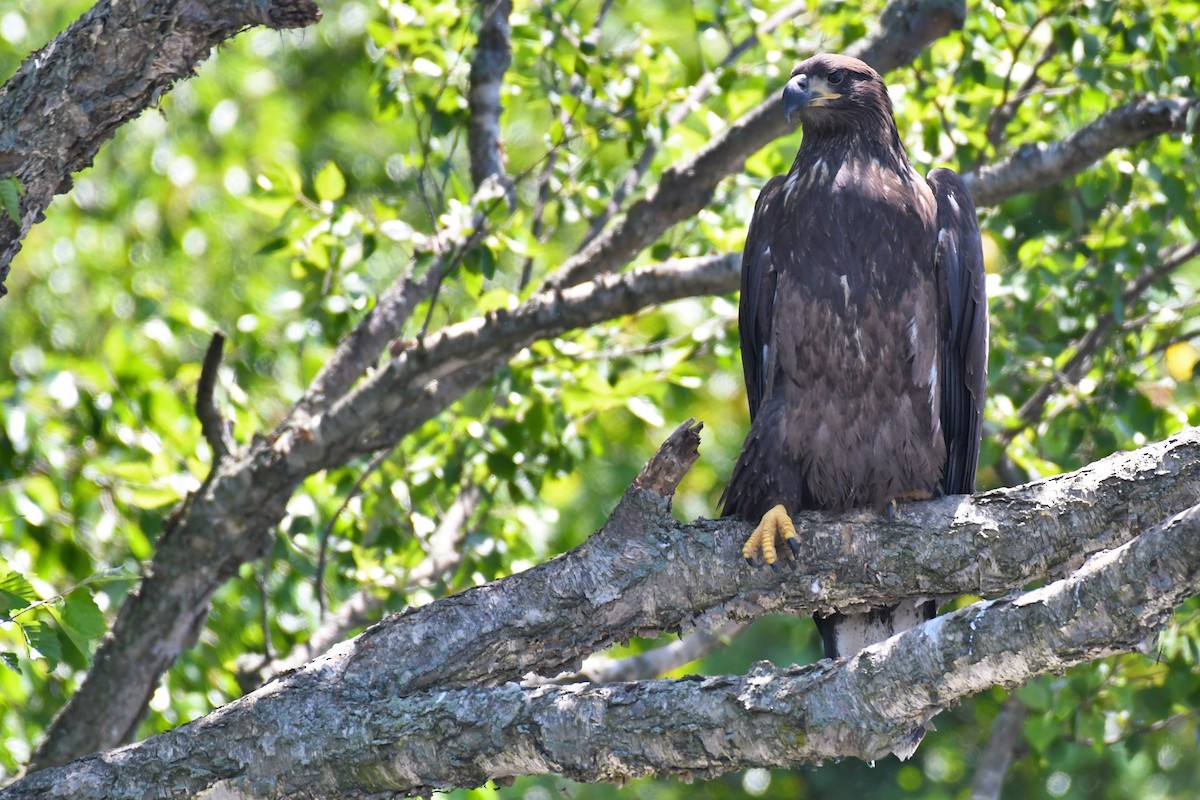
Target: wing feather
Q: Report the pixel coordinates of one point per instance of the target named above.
(964, 328)
(756, 308)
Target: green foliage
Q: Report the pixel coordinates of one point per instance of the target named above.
(10, 198)
(274, 196)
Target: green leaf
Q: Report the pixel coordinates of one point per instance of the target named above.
(43, 637)
(15, 592)
(329, 183)
(11, 661)
(10, 197)
(1041, 731)
(82, 615)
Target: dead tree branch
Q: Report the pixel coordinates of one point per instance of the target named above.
(212, 423)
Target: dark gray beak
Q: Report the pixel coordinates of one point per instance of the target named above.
(796, 95)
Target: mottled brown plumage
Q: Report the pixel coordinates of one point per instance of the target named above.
(863, 325)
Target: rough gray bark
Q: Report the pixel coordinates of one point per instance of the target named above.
(1043, 163)
(114, 62)
(362, 720)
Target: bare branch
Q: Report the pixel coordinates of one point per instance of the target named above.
(360, 349)
(335, 724)
(1002, 744)
(493, 55)
(904, 29)
(213, 425)
(1036, 165)
(110, 65)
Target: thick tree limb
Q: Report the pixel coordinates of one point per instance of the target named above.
(113, 63)
(904, 29)
(341, 724)
(228, 522)
(618, 583)
(1039, 164)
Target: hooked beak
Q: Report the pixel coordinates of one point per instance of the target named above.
(801, 93)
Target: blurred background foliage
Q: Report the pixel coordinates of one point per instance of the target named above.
(275, 194)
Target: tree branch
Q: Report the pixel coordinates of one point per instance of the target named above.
(618, 583)
(680, 112)
(213, 425)
(1038, 164)
(1170, 259)
(428, 377)
(113, 63)
(1002, 744)
(357, 722)
(493, 55)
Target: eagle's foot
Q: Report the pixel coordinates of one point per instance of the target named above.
(776, 522)
(893, 506)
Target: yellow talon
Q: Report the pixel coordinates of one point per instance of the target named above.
(776, 522)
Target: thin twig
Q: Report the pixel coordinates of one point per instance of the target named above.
(323, 548)
(651, 664)
(443, 554)
(574, 89)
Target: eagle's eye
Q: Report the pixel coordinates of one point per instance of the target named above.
(836, 77)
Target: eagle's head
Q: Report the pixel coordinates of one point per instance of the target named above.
(834, 91)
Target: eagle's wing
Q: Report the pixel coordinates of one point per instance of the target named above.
(964, 328)
(756, 309)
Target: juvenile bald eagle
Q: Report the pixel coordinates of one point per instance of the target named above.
(863, 328)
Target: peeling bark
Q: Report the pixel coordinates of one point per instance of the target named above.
(344, 725)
